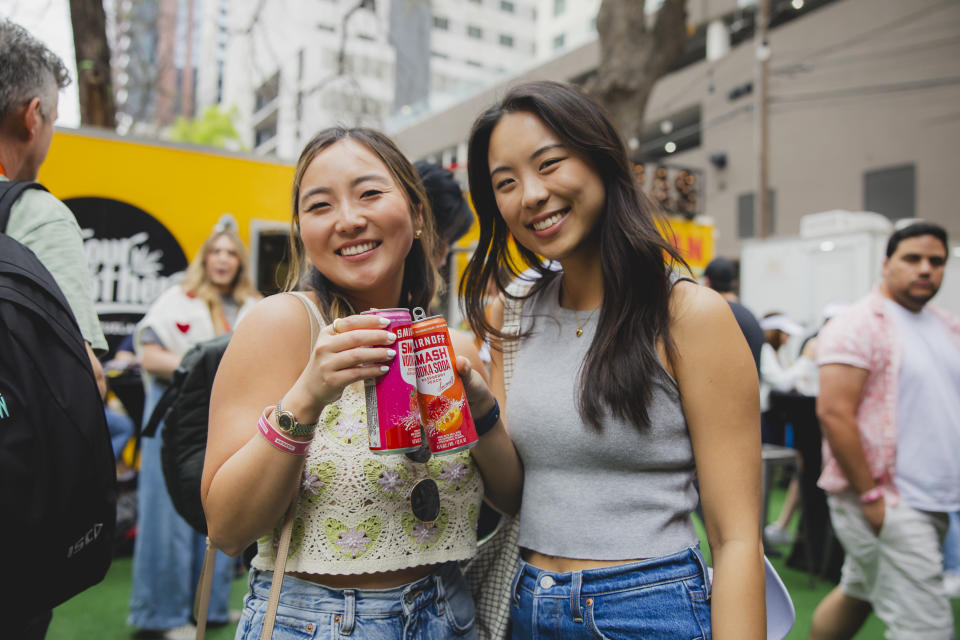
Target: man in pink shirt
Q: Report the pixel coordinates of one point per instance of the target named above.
(889, 408)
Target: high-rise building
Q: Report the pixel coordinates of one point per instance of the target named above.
(563, 25)
(293, 67)
(157, 48)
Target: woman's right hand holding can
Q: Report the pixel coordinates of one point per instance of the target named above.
(347, 350)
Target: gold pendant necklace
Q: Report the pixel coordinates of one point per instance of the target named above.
(581, 325)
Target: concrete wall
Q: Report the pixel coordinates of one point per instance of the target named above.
(856, 85)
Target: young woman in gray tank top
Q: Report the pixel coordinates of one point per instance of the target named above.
(625, 383)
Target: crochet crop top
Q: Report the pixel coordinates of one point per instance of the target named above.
(353, 511)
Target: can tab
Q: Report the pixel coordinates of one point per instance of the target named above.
(419, 314)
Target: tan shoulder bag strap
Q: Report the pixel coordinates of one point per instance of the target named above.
(283, 548)
(201, 603)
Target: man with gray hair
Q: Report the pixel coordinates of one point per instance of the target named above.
(31, 77)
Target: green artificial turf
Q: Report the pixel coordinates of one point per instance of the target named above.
(100, 613)
(806, 598)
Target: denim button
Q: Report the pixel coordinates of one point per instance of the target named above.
(547, 581)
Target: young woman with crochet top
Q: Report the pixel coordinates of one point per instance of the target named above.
(367, 557)
(626, 381)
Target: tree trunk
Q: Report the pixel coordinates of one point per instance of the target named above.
(97, 106)
(634, 56)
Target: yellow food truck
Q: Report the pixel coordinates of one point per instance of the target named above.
(145, 209)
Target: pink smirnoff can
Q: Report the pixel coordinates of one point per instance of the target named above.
(393, 420)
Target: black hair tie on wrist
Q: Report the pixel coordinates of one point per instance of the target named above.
(487, 421)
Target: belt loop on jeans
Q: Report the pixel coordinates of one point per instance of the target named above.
(707, 587)
(441, 593)
(515, 586)
(349, 611)
(576, 582)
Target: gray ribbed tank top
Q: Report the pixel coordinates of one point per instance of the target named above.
(618, 494)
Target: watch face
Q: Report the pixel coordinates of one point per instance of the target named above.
(284, 420)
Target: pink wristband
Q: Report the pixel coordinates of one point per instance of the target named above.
(871, 496)
(280, 441)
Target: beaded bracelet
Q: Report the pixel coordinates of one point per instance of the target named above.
(278, 440)
(871, 496)
(487, 421)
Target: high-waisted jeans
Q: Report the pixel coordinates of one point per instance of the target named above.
(437, 607)
(665, 597)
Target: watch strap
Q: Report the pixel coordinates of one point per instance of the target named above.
(287, 424)
(489, 420)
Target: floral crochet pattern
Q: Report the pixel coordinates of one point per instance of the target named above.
(388, 481)
(454, 472)
(353, 510)
(317, 480)
(473, 513)
(354, 541)
(426, 534)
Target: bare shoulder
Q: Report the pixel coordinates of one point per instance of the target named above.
(464, 346)
(462, 342)
(275, 325)
(692, 307)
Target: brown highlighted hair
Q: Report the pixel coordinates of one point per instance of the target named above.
(636, 261)
(419, 275)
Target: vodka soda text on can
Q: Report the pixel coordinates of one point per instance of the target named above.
(443, 401)
(393, 420)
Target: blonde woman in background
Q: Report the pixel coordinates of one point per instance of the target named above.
(168, 553)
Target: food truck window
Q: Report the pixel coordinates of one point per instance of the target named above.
(270, 255)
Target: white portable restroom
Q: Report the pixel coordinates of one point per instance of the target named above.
(836, 259)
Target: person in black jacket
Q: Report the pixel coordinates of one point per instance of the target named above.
(721, 276)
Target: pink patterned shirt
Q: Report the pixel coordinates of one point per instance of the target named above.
(864, 336)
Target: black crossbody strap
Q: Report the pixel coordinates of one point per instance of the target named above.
(9, 192)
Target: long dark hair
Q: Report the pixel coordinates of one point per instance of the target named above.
(419, 275)
(636, 261)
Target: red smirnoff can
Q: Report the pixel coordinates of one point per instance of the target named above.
(393, 420)
(444, 411)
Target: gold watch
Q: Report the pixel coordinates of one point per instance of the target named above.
(289, 425)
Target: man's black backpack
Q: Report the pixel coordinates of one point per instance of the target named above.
(183, 408)
(57, 475)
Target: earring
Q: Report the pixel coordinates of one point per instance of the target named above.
(418, 233)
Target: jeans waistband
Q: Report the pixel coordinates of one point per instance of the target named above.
(682, 565)
(304, 594)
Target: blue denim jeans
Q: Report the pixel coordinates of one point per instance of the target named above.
(665, 597)
(168, 553)
(437, 607)
(121, 429)
(951, 545)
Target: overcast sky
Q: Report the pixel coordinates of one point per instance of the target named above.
(49, 21)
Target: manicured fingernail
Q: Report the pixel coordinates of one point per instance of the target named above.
(384, 368)
(392, 337)
(391, 353)
(384, 322)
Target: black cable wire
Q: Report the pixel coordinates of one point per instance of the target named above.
(869, 56)
(868, 90)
